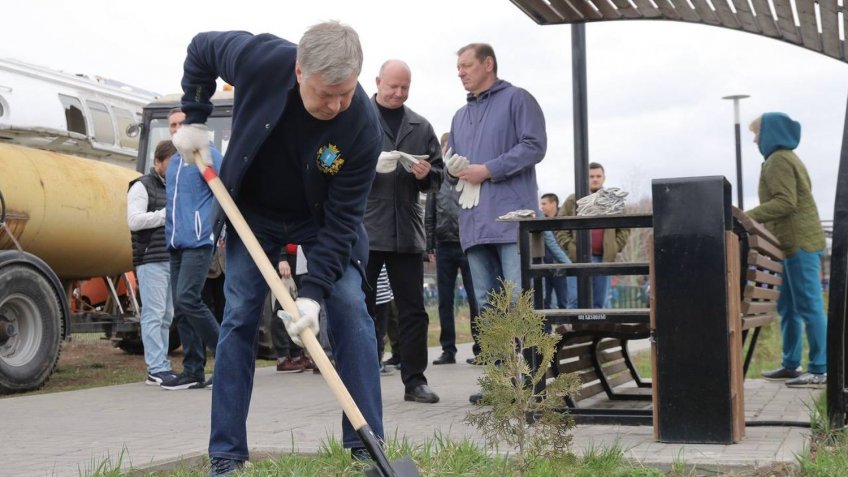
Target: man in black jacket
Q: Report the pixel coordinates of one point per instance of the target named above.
(442, 226)
(410, 164)
(300, 163)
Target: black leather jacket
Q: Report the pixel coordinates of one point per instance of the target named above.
(441, 220)
(394, 218)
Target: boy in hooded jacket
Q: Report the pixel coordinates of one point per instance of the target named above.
(788, 210)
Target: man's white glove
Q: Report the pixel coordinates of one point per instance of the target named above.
(387, 162)
(456, 163)
(469, 194)
(190, 138)
(309, 310)
(407, 160)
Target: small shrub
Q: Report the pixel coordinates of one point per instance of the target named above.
(511, 412)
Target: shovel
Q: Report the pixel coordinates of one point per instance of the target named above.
(382, 468)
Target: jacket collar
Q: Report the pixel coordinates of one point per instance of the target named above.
(407, 124)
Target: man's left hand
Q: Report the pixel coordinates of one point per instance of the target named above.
(475, 173)
(309, 310)
(421, 169)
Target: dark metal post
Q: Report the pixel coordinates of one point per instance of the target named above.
(837, 338)
(694, 400)
(739, 188)
(581, 151)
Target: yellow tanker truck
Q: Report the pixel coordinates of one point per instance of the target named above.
(66, 157)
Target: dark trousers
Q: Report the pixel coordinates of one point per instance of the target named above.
(449, 259)
(195, 323)
(406, 272)
(385, 314)
(555, 285)
(213, 296)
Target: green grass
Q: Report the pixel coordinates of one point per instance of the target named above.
(438, 456)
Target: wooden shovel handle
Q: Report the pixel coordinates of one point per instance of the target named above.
(280, 292)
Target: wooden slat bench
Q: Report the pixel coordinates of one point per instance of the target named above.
(760, 278)
(597, 352)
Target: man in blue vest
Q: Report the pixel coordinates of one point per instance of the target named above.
(300, 163)
(146, 219)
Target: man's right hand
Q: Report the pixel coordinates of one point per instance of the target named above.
(190, 138)
(284, 268)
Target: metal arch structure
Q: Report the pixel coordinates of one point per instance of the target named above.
(810, 24)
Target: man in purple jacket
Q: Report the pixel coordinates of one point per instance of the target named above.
(498, 137)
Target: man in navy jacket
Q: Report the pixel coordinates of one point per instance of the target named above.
(300, 163)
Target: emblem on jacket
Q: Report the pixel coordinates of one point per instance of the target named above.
(329, 159)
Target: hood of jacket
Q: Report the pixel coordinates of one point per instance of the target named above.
(778, 131)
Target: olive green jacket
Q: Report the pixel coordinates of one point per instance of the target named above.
(787, 208)
(614, 239)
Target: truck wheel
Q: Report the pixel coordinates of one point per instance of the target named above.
(30, 329)
(134, 345)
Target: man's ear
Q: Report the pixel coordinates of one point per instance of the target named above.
(489, 63)
(298, 72)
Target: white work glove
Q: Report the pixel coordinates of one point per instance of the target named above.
(309, 310)
(455, 164)
(469, 194)
(387, 162)
(407, 160)
(190, 138)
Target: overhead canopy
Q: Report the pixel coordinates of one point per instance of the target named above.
(811, 24)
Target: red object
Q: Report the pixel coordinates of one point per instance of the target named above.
(597, 242)
(291, 249)
(209, 174)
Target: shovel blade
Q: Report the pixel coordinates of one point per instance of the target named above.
(400, 468)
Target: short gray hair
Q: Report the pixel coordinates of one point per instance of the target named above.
(330, 49)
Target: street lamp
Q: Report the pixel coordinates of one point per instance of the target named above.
(736, 98)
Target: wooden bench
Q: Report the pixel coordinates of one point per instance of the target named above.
(760, 279)
(598, 354)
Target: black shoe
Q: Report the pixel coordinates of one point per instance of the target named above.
(446, 358)
(475, 398)
(781, 374)
(421, 393)
(219, 467)
(360, 454)
(474, 361)
(182, 382)
(393, 361)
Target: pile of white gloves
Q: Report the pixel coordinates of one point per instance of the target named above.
(603, 202)
(469, 193)
(388, 161)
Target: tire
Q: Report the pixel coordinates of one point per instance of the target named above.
(31, 327)
(134, 345)
(131, 346)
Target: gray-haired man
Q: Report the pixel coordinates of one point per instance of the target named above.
(300, 162)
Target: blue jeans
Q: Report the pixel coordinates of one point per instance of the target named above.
(488, 263)
(350, 327)
(157, 313)
(449, 259)
(195, 322)
(800, 303)
(600, 286)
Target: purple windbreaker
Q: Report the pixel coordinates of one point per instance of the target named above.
(503, 128)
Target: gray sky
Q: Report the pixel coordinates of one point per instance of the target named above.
(655, 88)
